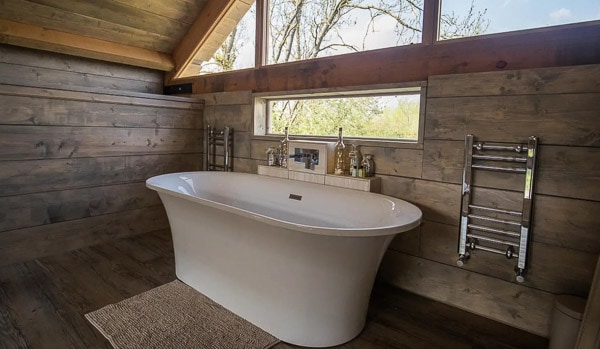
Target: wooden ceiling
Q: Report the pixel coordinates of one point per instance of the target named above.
(158, 34)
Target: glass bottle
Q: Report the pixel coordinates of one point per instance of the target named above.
(339, 161)
(283, 150)
(368, 165)
(355, 156)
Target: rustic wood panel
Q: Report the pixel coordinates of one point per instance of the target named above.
(408, 242)
(554, 269)
(555, 80)
(31, 142)
(247, 165)
(440, 202)
(35, 58)
(61, 112)
(59, 79)
(570, 171)
(519, 306)
(561, 171)
(237, 116)
(29, 243)
(106, 96)
(565, 119)
(396, 161)
(226, 98)
(567, 223)
(557, 221)
(30, 210)
(35, 176)
(75, 161)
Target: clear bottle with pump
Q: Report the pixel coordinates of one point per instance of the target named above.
(368, 165)
(355, 156)
(339, 161)
(284, 150)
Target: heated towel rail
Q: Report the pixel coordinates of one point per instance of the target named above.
(215, 138)
(494, 229)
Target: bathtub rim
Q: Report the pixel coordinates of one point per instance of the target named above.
(316, 230)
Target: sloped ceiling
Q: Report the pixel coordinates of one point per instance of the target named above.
(145, 33)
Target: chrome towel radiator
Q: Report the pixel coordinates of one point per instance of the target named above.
(493, 229)
(218, 138)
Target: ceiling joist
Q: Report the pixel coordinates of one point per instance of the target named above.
(20, 34)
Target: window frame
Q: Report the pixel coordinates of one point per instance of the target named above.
(260, 111)
(430, 36)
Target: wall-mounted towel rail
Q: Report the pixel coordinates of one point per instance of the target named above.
(493, 229)
(218, 138)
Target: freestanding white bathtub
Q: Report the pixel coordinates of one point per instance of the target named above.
(296, 259)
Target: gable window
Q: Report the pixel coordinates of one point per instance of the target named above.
(392, 114)
(233, 45)
(277, 31)
(492, 16)
(303, 29)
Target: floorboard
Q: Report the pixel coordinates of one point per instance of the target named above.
(43, 303)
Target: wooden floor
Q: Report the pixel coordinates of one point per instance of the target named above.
(43, 302)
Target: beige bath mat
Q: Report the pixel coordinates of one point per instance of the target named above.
(175, 315)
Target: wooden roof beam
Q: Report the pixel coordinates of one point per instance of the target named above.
(212, 26)
(26, 35)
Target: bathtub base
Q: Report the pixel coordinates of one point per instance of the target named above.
(304, 289)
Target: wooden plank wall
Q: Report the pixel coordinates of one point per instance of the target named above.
(78, 139)
(559, 105)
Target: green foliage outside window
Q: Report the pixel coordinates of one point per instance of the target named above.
(391, 117)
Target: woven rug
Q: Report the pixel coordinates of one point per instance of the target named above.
(175, 315)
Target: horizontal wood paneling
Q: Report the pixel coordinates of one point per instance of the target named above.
(560, 119)
(59, 75)
(550, 268)
(78, 145)
(34, 176)
(567, 222)
(29, 243)
(41, 59)
(23, 211)
(517, 82)
(35, 111)
(26, 142)
(513, 304)
(440, 202)
(396, 161)
(114, 97)
(235, 116)
(226, 98)
(563, 170)
(61, 79)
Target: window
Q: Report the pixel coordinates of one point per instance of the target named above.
(237, 50)
(308, 29)
(302, 29)
(390, 114)
(460, 18)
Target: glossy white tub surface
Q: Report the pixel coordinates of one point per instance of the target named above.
(301, 270)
